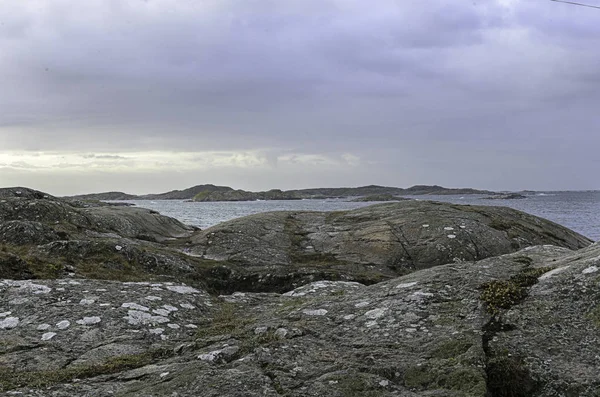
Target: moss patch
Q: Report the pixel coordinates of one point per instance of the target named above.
(469, 381)
(11, 379)
(504, 294)
(594, 315)
(451, 349)
(357, 385)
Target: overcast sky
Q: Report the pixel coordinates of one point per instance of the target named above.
(149, 96)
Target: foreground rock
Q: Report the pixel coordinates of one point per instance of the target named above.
(436, 332)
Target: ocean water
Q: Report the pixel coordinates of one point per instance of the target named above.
(579, 211)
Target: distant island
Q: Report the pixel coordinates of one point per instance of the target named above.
(210, 193)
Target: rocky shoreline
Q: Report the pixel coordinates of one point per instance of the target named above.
(412, 298)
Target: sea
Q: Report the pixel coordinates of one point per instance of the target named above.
(579, 211)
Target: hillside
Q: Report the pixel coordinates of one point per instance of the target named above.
(211, 192)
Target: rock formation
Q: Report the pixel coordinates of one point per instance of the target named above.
(512, 310)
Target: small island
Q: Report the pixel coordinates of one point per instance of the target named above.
(378, 197)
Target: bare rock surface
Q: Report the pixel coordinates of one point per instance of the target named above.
(407, 299)
(429, 333)
(391, 238)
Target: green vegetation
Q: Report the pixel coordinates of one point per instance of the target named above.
(228, 320)
(594, 315)
(11, 379)
(451, 349)
(504, 294)
(202, 195)
(469, 381)
(357, 385)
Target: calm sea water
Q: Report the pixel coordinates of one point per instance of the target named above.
(579, 211)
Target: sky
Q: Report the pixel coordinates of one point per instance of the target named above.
(146, 96)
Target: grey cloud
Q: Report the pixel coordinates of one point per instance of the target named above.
(306, 77)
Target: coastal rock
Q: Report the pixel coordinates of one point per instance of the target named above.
(429, 333)
(31, 217)
(378, 197)
(550, 343)
(391, 239)
(63, 329)
(509, 196)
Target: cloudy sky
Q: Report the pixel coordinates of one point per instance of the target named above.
(154, 95)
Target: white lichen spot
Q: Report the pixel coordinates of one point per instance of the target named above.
(118, 247)
(48, 335)
(101, 290)
(371, 324)
(187, 306)
(281, 333)
(384, 383)
(153, 298)
(448, 228)
(89, 320)
(463, 227)
(26, 286)
(173, 326)
(318, 312)
(350, 317)
(170, 308)
(590, 270)
(452, 236)
(420, 295)
(183, 289)
(18, 301)
(87, 301)
(157, 331)
(553, 272)
(261, 330)
(362, 304)
(411, 330)
(161, 312)
(375, 313)
(136, 317)
(135, 306)
(425, 226)
(43, 327)
(63, 324)
(164, 374)
(407, 285)
(9, 323)
(191, 326)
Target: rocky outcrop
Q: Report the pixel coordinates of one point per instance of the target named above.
(225, 193)
(390, 238)
(378, 197)
(243, 195)
(98, 300)
(509, 196)
(37, 214)
(435, 332)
